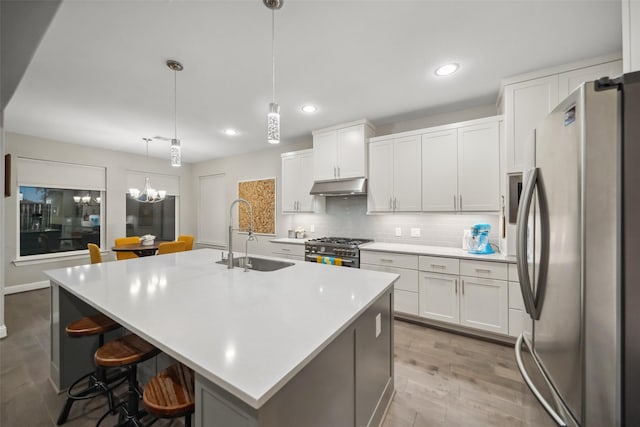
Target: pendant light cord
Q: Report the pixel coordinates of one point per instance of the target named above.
(273, 55)
(175, 105)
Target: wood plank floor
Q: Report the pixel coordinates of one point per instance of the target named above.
(442, 379)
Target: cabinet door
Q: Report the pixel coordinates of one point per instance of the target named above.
(484, 304)
(290, 172)
(304, 183)
(438, 297)
(351, 152)
(324, 155)
(440, 171)
(380, 193)
(479, 167)
(407, 179)
(569, 81)
(526, 104)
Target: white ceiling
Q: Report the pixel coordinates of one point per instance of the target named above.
(99, 76)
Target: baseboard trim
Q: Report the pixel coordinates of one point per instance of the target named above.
(3, 331)
(25, 287)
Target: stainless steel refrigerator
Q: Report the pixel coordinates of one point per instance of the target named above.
(578, 240)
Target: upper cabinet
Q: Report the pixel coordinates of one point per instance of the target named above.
(297, 179)
(527, 99)
(448, 168)
(394, 175)
(340, 152)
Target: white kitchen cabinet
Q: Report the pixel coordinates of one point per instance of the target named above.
(526, 104)
(405, 292)
(483, 304)
(479, 167)
(297, 179)
(461, 168)
(439, 297)
(293, 251)
(570, 80)
(394, 175)
(340, 152)
(517, 313)
(440, 171)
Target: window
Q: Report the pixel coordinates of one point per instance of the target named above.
(58, 220)
(158, 219)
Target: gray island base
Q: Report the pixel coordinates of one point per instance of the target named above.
(345, 379)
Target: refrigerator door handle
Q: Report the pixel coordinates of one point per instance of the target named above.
(521, 243)
(532, 386)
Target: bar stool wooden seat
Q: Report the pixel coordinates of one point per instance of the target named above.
(97, 382)
(127, 352)
(170, 394)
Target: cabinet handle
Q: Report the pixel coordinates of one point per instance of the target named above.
(462, 287)
(395, 204)
(460, 202)
(456, 285)
(483, 270)
(438, 266)
(386, 260)
(338, 171)
(454, 202)
(286, 250)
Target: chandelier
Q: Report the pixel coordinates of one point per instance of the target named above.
(148, 193)
(273, 117)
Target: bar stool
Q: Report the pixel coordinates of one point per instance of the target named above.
(98, 384)
(171, 247)
(127, 352)
(170, 394)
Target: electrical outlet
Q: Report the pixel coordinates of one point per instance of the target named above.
(398, 231)
(378, 324)
(312, 228)
(415, 232)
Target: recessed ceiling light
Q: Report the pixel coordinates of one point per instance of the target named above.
(230, 132)
(446, 69)
(309, 108)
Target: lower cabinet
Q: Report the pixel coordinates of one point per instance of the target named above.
(292, 251)
(439, 297)
(483, 304)
(405, 294)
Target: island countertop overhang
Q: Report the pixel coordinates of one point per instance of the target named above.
(247, 332)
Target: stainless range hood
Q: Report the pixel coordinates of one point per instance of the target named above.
(340, 187)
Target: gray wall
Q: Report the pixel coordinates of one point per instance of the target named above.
(116, 164)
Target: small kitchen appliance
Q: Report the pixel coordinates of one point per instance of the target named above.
(479, 240)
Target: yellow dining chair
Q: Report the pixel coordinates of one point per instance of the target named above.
(94, 253)
(188, 241)
(127, 241)
(170, 247)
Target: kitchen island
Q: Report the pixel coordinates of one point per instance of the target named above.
(307, 345)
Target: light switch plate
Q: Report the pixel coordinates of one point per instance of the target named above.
(415, 232)
(378, 324)
(398, 231)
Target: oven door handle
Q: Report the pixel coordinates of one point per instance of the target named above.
(314, 258)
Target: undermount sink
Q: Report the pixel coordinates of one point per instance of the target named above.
(259, 264)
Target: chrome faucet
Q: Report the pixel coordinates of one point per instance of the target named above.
(249, 237)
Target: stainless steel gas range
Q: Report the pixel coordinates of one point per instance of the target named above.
(341, 251)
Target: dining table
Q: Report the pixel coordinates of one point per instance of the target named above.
(139, 249)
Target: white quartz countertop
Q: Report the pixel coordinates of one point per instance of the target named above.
(443, 251)
(248, 332)
(288, 240)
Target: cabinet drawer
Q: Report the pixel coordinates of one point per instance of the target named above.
(440, 264)
(408, 280)
(513, 273)
(389, 259)
(484, 269)
(515, 296)
(405, 302)
(288, 249)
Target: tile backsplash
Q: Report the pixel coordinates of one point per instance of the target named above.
(347, 216)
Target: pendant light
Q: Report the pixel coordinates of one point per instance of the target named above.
(148, 193)
(176, 157)
(273, 117)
